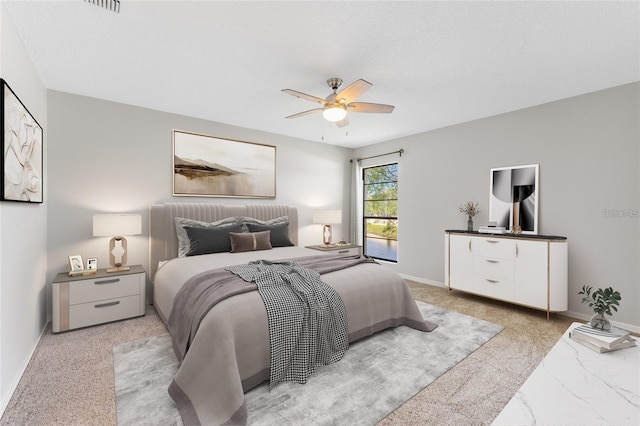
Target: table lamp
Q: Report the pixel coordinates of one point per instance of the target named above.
(117, 226)
(326, 218)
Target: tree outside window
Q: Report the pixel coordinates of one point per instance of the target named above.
(380, 207)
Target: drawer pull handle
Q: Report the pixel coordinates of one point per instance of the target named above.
(493, 241)
(492, 281)
(115, 280)
(469, 245)
(343, 251)
(104, 305)
(492, 261)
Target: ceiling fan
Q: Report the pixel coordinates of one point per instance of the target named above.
(336, 105)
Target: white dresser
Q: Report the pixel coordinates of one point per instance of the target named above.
(529, 270)
(86, 300)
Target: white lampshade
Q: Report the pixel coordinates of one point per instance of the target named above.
(327, 217)
(110, 225)
(334, 112)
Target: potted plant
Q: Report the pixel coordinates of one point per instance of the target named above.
(602, 301)
(470, 209)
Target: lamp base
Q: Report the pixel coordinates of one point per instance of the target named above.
(118, 269)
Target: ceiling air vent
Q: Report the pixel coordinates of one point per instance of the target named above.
(112, 5)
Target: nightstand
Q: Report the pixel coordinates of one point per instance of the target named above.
(338, 248)
(102, 297)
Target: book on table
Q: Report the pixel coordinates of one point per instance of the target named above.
(626, 343)
(606, 339)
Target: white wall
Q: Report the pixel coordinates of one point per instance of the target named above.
(23, 232)
(589, 156)
(110, 157)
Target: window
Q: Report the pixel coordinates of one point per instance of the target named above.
(380, 212)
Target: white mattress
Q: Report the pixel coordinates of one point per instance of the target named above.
(172, 274)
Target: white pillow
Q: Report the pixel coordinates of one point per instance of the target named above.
(183, 239)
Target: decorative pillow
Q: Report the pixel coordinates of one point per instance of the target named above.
(183, 238)
(279, 233)
(250, 241)
(246, 220)
(210, 239)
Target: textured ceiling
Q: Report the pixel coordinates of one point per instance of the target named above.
(439, 63)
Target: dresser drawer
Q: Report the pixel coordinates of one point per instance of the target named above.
(493, 267)
(498, 288)
(85, 314)
(102, 288)
(494, 247)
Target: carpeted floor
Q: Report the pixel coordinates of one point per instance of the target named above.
(69, 380)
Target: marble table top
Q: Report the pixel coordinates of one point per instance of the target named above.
(576, 385)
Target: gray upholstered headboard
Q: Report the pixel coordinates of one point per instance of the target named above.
(163, 242)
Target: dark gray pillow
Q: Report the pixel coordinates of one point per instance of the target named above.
(249, 241)
(210, 240)
(279, 233)
(181, 233)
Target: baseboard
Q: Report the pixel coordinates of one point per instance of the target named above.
(16, 380)
(586, 317)
(570, 314)
(422, 280)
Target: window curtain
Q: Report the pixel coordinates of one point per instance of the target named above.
(356, 204)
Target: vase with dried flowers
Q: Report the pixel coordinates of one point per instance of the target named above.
(470, 209)
(602, 301)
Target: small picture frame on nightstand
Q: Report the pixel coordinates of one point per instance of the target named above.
(75, 262)
(92, 264)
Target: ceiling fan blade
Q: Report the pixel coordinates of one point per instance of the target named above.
(304, 96)
(343, 122)
(300, 114)
(368, 107)
(354, 90)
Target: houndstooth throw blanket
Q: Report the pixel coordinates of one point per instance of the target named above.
(307, 318)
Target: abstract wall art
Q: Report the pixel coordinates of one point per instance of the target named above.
(209, 166)
(514, 198)
(22, 139)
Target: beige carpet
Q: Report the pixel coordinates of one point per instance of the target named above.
(69, 380)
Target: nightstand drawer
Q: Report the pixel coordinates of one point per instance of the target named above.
(86, 314)
(352, 250)
(102, 288)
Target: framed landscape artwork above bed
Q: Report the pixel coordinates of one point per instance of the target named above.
(208, 166)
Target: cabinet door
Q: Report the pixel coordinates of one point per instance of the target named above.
(460, 271)
(531, 266)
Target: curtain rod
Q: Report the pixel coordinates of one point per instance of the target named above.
(399, 152)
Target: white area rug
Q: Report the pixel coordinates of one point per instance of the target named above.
(376, 375)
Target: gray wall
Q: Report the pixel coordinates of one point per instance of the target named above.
(110, 157)
(23, 231)
(588, 151)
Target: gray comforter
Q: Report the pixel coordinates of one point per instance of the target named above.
(228, 352)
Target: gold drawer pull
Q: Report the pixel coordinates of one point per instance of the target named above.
(492, 261)
(104, 305)
(492, 281)
(115, 280)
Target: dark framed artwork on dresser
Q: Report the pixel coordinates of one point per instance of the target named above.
(208, 166)
(22, 138)
(514, 196)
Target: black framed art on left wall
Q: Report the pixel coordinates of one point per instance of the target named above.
(22, 147)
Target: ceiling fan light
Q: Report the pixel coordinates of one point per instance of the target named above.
(334, 113)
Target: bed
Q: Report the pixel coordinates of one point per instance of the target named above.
(229, 350)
